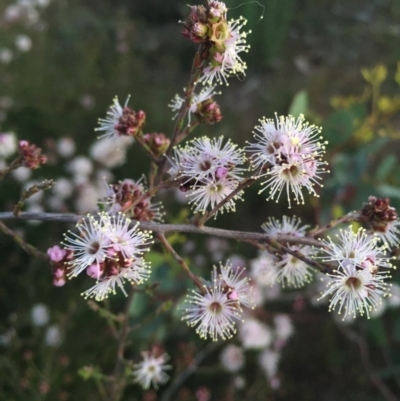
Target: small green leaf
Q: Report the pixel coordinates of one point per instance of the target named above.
(340, 126)
(388, 191)
(299, 104)
(385, 167)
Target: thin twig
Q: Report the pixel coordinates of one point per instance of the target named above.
(182, 263)
(352, 216)
(24, 245)
(322, 267)
(245, 183)
(187, 131)
(366, 360)
(34, 189)
(148, 151)
(12, 166)
(119, 378)
(180, 379)
(195, 75)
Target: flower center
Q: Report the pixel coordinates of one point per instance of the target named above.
(215, 308)
(94, 247)
(353, 282)
(205, 165)
(291, 171)
(272, 147)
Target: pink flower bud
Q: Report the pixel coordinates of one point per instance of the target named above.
(59, 273)
(94, 271)
(59, 282)
(56, 254)
(221, 173)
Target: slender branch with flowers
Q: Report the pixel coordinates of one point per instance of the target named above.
(285, 156)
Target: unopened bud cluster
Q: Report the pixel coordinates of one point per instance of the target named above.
(130, 197)
(31, 155)
(221, 41)
(121, 121)
(382, 219)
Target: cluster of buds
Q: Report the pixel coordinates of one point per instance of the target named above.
(378, 213)
(208, 172)
(202, 105)
(131, 122)
(382, 219)
(158, 143)
(130, 197)
(221, 39)
(61, 260)
(31, 155)
(208, 112)
(121, 121)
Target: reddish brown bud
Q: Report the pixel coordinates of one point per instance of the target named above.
(131, 122)
(195, 26)
(31, 155)
(209, 112)
(378, 213)
(130, 198)
(157, 142)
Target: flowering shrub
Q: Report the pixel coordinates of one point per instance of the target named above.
(120, 226)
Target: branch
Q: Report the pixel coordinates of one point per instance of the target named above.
(184, 266)
(351, 216)
(245, 183)
(24, 245)
(148, 151)
(171, 228)
(179, 380)
(366, 361)
(46, 184)
(13, 166)
(119, 375)
(195, 75)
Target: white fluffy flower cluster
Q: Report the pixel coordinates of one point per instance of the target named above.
(208, 172)
(357, 285)
(151, 370)
(215, 310)
(110, 251)
(283, 267)
(288, 152)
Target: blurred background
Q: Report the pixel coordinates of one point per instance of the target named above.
(61, 64)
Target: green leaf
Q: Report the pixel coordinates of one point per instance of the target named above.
(340, 126)
(388, 191)
(341, 168)
(385, 167)
(299, 104)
